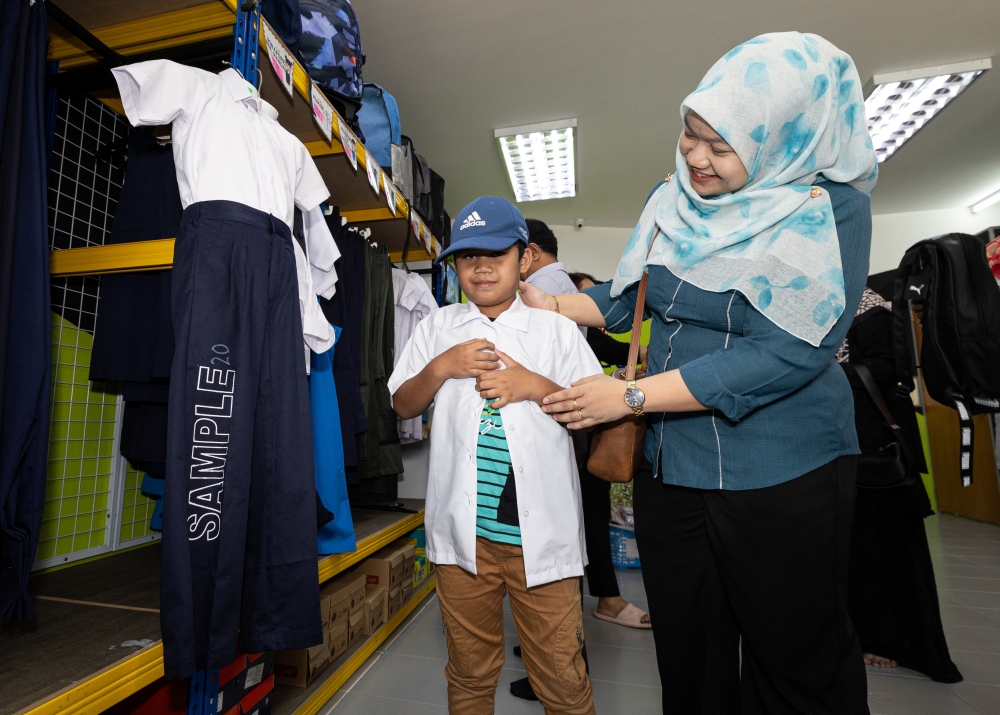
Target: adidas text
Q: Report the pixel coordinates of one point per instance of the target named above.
(472, 219)
(985, 402)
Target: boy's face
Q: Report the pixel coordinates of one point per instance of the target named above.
(490, 278)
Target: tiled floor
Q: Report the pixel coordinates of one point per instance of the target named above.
(407, 673)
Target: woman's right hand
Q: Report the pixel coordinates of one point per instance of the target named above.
(535, 297)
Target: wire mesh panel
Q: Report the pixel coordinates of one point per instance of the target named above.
(85, 182)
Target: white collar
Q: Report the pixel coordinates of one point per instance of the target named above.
(238, 87)
(550, 268)
(515, 317)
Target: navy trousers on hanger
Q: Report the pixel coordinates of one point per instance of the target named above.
(239, 512)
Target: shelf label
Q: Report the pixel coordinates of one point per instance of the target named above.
(426, 233)
(436, 247)
(349, 141)
(282, 60)
(373, 171)
(322, 110)
(415, 224)
(390, 192)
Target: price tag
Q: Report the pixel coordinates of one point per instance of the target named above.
(436, 247)
(282, 60)
(426, 232)
(373, 171)
(322, 110)
(415, 224)
(349, 141)
(390, 193)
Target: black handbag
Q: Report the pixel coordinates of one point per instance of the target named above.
(892, 465)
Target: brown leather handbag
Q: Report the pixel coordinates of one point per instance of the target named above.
(616, 448)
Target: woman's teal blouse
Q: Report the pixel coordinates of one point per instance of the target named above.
(779, 407)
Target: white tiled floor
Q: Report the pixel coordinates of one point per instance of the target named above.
(408, 671)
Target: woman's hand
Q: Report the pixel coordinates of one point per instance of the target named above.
(591, 401)
(535, 297)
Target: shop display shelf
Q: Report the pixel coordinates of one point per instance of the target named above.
(112, 683)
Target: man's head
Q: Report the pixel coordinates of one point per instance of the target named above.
(543, 248)
(488, 243)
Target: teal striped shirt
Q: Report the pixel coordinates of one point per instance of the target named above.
(496, 495)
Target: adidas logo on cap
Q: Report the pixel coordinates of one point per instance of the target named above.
(471, 220)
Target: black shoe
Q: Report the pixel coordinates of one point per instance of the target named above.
(517, 651)
(522, 689)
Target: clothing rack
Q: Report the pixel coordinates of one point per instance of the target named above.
(172, 29)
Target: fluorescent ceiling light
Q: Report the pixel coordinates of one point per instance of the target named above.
(539, 159)
(988, 201)
(899, 104)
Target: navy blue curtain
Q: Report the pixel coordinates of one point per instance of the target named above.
(25, 318)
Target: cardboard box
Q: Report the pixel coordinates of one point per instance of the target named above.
(375, 607)
(355, 627)
(409, 551)
(384, 569)
(393, 601)
(300, 667)
(339, 640)
(355, 581)
(337, 594)
(259, 700)
(407, 589)
(260, 666)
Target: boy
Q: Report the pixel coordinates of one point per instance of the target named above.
(503, 500)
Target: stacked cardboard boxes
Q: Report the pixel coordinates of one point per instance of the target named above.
(342, 596)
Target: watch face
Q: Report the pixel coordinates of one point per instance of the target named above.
(634, 397)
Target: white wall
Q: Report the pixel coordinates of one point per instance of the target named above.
(596, 250)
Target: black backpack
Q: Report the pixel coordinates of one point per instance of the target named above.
(960, 356)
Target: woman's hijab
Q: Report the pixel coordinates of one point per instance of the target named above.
(791, 107)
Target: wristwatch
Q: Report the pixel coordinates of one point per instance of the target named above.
(634, 397)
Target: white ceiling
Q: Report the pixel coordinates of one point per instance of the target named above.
(461, 68)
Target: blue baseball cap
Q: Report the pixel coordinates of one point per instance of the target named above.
(489, 223)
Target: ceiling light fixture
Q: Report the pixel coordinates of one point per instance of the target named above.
(897, 105)
(540, 160)
(985, 203)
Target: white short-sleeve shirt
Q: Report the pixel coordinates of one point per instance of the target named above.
(541, 449)
(226, 149)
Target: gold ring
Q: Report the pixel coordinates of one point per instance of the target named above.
(576, 406)
(579, 412)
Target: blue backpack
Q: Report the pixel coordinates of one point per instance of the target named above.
(330, 45)
(379, 119)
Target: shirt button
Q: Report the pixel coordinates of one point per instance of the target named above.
(526, 512)
(520, 469)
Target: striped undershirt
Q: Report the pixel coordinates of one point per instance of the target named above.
(496, 497)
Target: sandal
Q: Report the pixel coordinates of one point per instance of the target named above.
(630, 617)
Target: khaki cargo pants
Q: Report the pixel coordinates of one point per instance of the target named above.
(549, 621)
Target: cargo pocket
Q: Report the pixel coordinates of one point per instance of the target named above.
(570, 667)
(458, 651)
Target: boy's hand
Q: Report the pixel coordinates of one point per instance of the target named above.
(470, 359)
(516, 383)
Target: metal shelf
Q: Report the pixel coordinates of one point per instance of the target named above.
(120, 680)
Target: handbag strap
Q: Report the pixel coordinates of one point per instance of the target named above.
(640, 307)
(868, 381)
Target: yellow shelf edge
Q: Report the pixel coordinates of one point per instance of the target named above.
(362, 215)
(169, 29)
(119, 680)
(134, 257)
(330, 566)
(107, 687)
(340, 676)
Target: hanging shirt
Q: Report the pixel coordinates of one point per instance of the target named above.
(413, 302)
(554, 279)
(541, 450)
(225, 149)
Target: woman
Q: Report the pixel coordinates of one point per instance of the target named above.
(757, 253)
(892, 597)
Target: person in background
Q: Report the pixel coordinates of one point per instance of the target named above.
(891, 592)
(543, 267)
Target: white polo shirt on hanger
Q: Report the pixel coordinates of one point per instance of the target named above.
(226, 150)
(541, 450)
